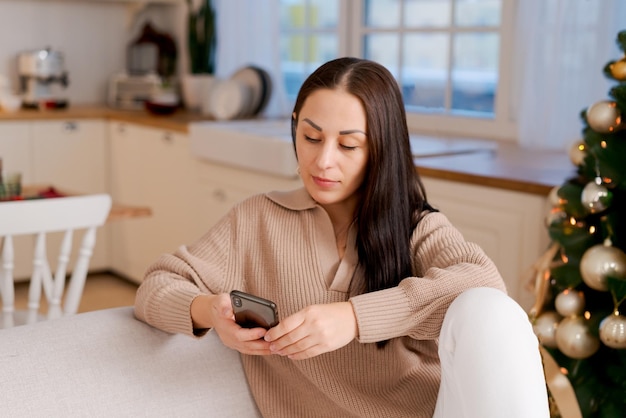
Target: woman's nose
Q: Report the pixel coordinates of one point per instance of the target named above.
(327, 155)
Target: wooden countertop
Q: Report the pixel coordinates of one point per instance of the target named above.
(178, 121)
(508, 167)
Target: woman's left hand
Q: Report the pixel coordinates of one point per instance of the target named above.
(314, 330)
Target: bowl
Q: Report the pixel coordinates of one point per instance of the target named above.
(160, 108)
(10, 102)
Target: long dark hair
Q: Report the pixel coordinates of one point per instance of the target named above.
(393, 196)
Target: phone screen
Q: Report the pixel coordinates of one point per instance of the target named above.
(252, 311)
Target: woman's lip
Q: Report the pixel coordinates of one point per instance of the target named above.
(324, 182)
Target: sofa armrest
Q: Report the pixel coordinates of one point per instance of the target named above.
(107, 363)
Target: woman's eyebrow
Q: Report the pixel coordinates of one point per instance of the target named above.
(313, 124)
(346, 132)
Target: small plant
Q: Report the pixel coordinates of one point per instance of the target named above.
(202, 37)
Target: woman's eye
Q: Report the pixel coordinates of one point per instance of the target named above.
(348, 148)
(313, 140)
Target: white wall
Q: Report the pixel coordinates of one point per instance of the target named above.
(93, 35)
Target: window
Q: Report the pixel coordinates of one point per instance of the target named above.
(447, 55)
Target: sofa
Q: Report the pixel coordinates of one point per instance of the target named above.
(106, 363)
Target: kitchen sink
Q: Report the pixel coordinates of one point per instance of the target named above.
(256, 144)
(265, 145)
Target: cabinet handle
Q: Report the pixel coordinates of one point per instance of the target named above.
(121, 128)
(167, 137)
(70, 126)
(219, 195)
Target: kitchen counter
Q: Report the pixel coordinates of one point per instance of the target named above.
(505, 166)
(508, 167)
(178, 121)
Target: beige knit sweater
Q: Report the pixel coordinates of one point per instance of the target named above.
(281, 246)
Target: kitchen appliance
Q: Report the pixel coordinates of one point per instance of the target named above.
(43, 79)
(132, 91)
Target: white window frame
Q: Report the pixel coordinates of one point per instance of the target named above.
(502, 127)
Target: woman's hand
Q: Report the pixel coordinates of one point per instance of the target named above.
(314, 330)
(215, 311)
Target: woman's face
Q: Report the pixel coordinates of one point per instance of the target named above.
(332, 147)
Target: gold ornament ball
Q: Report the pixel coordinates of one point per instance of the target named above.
(618, 69)
(570, 302)
(613, 331)
(596, 197)
(577, 153)
(601, 261)
(545, 326)
(604, 116)
(574, 339)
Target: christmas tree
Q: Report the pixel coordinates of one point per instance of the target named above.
(581, 280)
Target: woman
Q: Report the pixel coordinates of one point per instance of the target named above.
(362, 268)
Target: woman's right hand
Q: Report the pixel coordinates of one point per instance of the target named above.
(215, 311)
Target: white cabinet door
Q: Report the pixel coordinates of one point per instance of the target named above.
(223, 186)
(509, 226)
(152, 167)
(71, 154)
(15, 149)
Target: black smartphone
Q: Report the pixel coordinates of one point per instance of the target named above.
(253, 311)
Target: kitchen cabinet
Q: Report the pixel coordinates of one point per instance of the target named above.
(15, 149)
(509, 226)
(222, 186)
(152, 167)
(68, 154)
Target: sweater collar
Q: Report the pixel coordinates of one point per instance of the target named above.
(298, 199)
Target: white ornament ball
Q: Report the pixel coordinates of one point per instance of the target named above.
(556, 215)
(545, 328)
(577, 153)
(613, 331)
(601, 261)
(604, 116)
(574, 339)
(596, 197)
(570, 302)
(553, 196)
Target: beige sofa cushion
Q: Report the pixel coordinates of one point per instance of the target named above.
(108, 364)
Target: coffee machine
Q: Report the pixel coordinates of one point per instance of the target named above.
(43, 79)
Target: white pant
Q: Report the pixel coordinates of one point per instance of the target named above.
(490, 361)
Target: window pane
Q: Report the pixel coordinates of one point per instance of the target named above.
(425, 70)
(292, 14)
(322, 48)
(323, 13)
(475, 72)
(383, 48)
(427, 13)
(301, 54)
(293, 63)
(478, 12)
(381, 13)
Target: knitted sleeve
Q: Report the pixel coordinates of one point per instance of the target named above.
(444, 265)
(171, 283)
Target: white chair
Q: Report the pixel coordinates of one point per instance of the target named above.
(38, 218)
